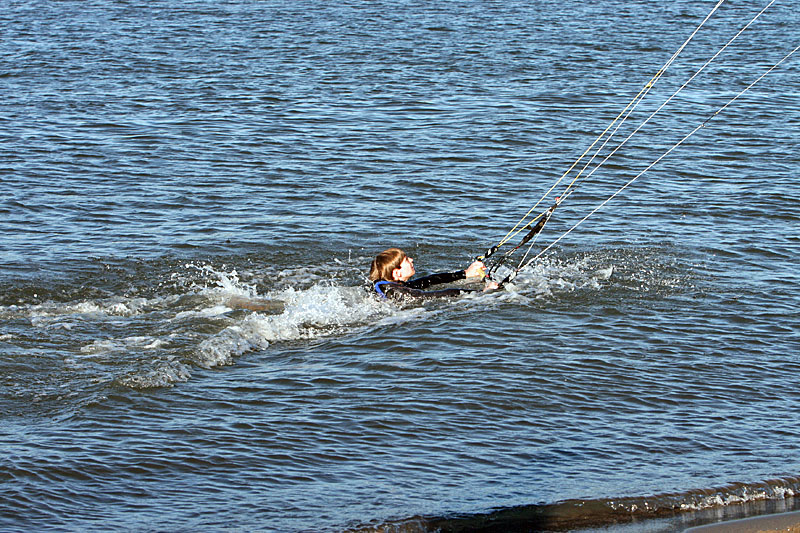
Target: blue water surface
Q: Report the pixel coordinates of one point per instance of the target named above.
(193, 192)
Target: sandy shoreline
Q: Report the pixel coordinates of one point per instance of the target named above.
(774, 523)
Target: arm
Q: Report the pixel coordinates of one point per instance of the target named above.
(475, 270)
(404, 291)
(436, 279)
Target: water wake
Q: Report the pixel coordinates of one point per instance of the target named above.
(197, 315)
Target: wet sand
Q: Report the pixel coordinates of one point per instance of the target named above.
(784, 523)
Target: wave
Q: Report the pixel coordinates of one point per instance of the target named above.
(328, 309)
(690, 508)
(194, 315)
(152, 327)
(321, 310)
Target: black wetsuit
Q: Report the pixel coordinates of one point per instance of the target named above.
(415, 288)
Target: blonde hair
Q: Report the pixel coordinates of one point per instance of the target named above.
(384, 264)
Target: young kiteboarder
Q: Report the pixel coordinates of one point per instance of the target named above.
(391, 270)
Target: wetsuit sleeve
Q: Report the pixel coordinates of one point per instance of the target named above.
(436, 279)
(400, 291)
(414, 288)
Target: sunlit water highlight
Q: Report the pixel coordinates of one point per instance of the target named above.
(194, 192)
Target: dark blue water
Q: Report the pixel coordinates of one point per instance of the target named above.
(165, 167)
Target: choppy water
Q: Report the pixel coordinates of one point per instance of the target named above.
(162, 163)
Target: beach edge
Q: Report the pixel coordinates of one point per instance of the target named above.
(784, 522)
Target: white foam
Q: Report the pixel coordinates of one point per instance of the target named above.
(53, 314)
(320, 310)
(165, 375)
(404, 315)
(205, 312)
(548, 276)
(219, 283)
(125, 344)
(604, 273)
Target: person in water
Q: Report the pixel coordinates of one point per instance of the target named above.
(391, 270)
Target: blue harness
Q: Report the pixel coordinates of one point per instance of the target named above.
(379, 284)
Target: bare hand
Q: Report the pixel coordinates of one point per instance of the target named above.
(475, 270)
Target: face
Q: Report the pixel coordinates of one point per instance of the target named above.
(405, 271)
